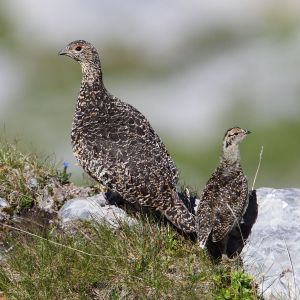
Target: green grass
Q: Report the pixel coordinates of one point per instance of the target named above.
(16, 169)
(19, 170)
(148, 261)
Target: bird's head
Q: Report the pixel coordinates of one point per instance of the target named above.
(81, 51)
(231, 141)
(234, 136)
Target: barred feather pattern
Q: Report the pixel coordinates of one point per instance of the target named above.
(116, 145)
(224, 199)
(222, 203)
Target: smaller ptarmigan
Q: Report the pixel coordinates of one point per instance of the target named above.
(225, 196)
(116, 145)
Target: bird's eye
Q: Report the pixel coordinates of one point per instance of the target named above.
(78, 48)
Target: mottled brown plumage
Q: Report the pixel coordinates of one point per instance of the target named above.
(116, 145)
(225, 196)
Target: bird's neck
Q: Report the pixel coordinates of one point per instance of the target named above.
(231, 155)
(91, 72)
(92, 91)
(92, 97)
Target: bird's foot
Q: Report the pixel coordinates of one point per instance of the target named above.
(226, 259)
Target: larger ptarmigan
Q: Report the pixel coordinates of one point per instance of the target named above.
(225, 196)
(116, 145)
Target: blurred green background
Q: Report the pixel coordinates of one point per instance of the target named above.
(193, 68)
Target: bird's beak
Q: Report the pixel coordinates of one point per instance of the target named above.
(63, 51)
(248, 131)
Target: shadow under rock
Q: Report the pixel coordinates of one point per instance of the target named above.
(135, 210)
(237, 237)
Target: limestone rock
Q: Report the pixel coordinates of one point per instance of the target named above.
(93, 209)
(271, 254)
(3, 204)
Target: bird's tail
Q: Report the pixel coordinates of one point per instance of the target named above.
(179, 215)
(203, 232)
(203, 223)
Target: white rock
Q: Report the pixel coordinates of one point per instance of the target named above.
(94, 209)
(3, 204)
(32, 183)
(272, 253)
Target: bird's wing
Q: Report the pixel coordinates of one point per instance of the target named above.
(129, 149)
(230, 203)
(205, 212)
(139, 166)
(144, 129)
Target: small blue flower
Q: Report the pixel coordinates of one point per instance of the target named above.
(66, 164)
